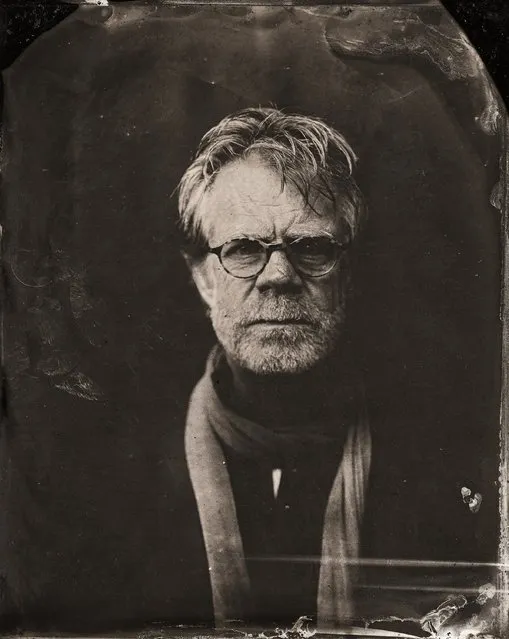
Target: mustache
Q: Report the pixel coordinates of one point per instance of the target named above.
(283, 309)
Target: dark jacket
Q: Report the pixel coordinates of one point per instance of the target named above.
(98, 519)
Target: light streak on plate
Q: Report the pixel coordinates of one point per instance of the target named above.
(404, 563)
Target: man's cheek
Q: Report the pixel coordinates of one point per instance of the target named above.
(226, 309)
(323, 296)
(215, 276)
(332, 294)
(231, 295)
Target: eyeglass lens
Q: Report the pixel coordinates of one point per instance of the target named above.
(313, 256)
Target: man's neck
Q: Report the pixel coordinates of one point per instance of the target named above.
(286, 401)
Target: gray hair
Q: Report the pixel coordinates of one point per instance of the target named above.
(303, 150)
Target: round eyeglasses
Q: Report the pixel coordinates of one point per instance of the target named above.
(310, 256)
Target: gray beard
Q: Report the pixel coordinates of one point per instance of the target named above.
(289, 349)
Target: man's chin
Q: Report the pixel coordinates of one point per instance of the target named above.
(279, 360)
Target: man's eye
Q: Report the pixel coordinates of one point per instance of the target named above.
(242, 248)
(313, 247)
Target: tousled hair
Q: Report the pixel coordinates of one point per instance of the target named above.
(303, 150)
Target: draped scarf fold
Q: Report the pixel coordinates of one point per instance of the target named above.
(207, 421)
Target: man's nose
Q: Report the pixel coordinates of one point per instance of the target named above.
(278, 272)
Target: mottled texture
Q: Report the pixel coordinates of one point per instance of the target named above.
(105, 337)
(431, 35)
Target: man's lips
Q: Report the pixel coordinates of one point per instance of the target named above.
(278, 322)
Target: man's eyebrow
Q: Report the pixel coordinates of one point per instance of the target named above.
(288, 237)
(247, 236)
(308, 234)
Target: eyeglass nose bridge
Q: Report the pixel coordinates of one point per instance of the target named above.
(272, 248)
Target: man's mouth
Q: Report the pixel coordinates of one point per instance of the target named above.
(279, 322)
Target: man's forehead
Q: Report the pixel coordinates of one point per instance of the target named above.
(248, 197)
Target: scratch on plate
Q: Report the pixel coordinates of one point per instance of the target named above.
(435, 619)
(80, 385)
(405, 95)
(391, 618)
(45, 281)
(78, 296)
(497, 196)
(445, 623)
(486, 592)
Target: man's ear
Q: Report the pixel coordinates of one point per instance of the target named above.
(204, 277)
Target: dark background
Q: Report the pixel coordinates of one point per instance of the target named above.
(434, 354)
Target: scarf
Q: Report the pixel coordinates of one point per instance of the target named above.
(207, 421)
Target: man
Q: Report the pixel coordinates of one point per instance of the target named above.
(277, 441)
(304, 507)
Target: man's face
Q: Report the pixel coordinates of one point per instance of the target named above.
(278, 321)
